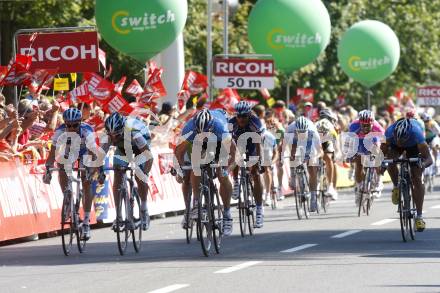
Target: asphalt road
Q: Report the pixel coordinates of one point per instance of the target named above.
(286, 255)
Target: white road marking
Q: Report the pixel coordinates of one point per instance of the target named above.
(383, 222)
(345, 234)
(170, 288)
(436, 207)
(237, 267)
(298, 248)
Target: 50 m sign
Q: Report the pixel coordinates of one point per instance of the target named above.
(237, 73)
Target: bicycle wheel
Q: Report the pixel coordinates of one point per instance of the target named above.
(411, 218)
(122, 221)
(242, 207)
(189, 221)
(250, 206)
(324, 199)
(137, 219)
(217, 220)
(306, 201)
(80, 240)
(298, 199)
(67, 229)
(403, 212)
(203, 222)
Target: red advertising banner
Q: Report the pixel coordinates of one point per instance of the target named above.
(67, 51)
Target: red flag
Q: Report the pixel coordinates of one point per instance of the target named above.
(134, 89)
(101, 57)
(226, 100)
(96, 122)
(120, 84)
(151, 67)
(80, 93)
(154, 83)
(194, 82)
(41, 78)
(17, 73)
(118, 104)
(100, 88)
(307, 95)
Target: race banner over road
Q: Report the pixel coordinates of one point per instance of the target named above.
(67, 51)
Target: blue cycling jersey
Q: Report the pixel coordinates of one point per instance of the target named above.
(219, 126)
(254, 125)
(416, 135)
(85, 130)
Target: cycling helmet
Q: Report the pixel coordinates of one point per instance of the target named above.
(326, 114)
(301, 124)
(402, 129)
(243, 108)
(203, 120)
(425, 117)
(72, 115)
(366, 117)
(115, 123)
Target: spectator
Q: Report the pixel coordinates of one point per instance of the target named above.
(284, 115)
(260, 111)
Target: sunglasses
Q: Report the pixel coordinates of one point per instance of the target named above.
(242, 116)
(73, 125)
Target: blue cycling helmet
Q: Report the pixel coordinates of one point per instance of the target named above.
(72, 115)
(203, 121)
(243, 108)
(115, 123)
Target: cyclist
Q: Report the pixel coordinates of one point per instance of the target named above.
(72, 124)
(275, 127)
(432, 132)
(208, 122)
(306, 148)
(406, 136)
(269, 156)
(361, 127)
(130, 132)
(244, 123)
(328, 135)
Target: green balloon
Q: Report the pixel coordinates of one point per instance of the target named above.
(294, 32)
(369, 52)
(140, 29)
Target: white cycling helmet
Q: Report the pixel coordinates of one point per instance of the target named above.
(366, 117)
(301, 124)
(203, 120)
(402, 129)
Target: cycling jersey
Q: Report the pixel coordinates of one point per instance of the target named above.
(269, 145)
(325, 128)
(416, 135)
(355, 127)
(139, 136)
(254, 125)
(431, 130)
(310, 140)
(219, 126)
(84, 132)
